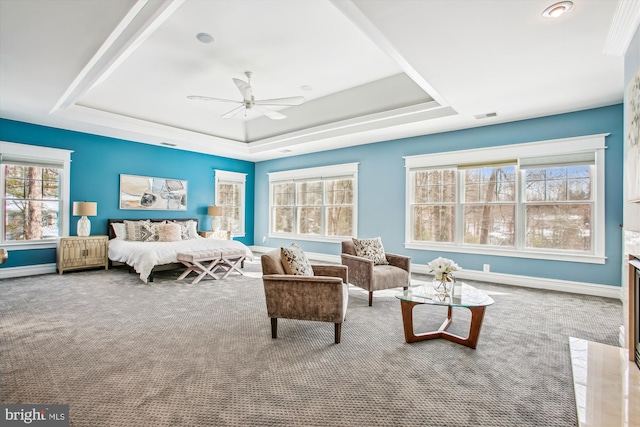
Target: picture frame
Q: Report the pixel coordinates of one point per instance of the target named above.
(632, 115)
(152, 193)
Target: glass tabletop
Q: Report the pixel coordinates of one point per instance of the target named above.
(463, 295)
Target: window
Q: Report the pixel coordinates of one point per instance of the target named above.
(230, 190)
(558, 204)
(538, 200)
(35, 202)
(434, 194)
(315, 203)
(489, 206)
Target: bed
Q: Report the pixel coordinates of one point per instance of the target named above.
(146, 257)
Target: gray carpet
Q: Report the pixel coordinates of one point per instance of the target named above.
(124, 353)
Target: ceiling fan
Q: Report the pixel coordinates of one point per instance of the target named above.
(250, 103)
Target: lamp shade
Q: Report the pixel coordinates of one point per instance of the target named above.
(214, 211)
(85, 208)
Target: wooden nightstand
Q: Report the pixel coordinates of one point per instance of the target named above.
(219, 235)
(82, 252)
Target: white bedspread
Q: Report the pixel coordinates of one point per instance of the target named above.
(143, 256)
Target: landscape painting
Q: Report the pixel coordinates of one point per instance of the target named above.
(150, 193)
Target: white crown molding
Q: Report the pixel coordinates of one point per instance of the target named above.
(355, 15)
(623, 26)
(141, 21)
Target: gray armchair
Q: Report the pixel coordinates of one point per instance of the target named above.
(364, 274)
(322, 297)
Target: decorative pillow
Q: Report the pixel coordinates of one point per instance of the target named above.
(188, 229)
(120, 229)
(169, 232)
(295, 261)
(134, 230)
(371, 249)
(149, 231)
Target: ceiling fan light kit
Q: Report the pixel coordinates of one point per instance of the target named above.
(250, 103)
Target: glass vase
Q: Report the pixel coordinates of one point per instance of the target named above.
(444, 286)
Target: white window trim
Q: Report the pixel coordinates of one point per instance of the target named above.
(321, 172)
(564, 146)
(239, 178)
(36, 154)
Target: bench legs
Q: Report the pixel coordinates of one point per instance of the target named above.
(227, 264)
(231, 264)
(199, 268)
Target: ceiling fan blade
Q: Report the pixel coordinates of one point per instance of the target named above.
(208, 98)
(245, 89)
(271, 114)
(233, 112)
(290, 101)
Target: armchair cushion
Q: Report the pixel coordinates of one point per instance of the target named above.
(295, 261)
(371, 249)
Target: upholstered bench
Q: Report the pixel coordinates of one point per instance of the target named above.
(193, 261)
(226, 259)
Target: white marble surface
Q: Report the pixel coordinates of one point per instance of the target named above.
(606, 384)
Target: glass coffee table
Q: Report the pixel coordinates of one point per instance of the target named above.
(462, 295)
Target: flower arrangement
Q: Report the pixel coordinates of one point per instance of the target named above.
(442, 268)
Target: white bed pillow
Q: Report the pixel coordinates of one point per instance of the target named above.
(119, 229)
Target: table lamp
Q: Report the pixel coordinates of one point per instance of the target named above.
(216, 213)
(84, 209)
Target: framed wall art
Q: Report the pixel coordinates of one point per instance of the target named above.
(150, 193)
(632, 168)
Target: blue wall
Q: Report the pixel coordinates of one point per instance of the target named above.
(382, 183)
(96, 165)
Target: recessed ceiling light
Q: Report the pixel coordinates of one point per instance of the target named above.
(306, 87)
(558, 9)
(204, 37)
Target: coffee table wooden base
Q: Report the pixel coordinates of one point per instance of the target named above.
(477, 314)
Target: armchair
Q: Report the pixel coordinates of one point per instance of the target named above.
(322, 297)
(364, 274)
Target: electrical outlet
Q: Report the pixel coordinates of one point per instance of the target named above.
(264, 239)
(486, 268)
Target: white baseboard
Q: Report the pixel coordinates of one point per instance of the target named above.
(533, 282)
(505, 279)
(28, 270)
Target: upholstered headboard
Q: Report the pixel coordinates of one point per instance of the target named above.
(112, 233)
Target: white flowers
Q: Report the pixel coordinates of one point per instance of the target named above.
(442, 267)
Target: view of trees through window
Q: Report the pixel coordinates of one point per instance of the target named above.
(434, 194)
(556, 206)
(229, 198)
(489, 206)
(32, 202)
(317, 207)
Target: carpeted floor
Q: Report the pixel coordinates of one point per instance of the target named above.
(124, 353)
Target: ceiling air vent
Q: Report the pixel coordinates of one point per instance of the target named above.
(168, 144)
(486, 115)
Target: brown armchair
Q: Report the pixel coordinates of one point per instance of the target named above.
(364, 274)
(322, 297)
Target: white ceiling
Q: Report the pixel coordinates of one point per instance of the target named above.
(378, 70)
